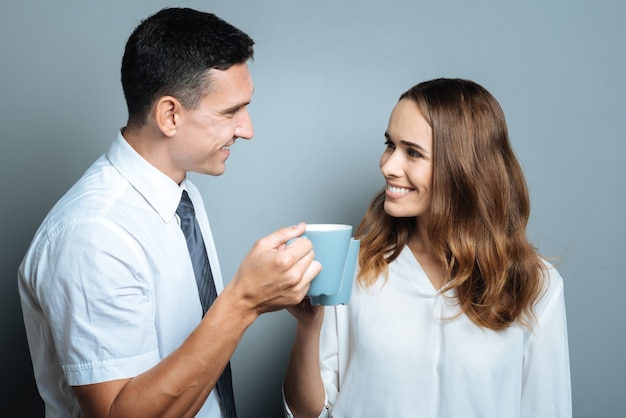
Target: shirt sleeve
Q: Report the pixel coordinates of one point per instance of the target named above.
(289, 414)
(329, 359)
(92, 284)
(546, 385)
(330, 351)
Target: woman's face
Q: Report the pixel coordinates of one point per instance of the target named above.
(407, 162)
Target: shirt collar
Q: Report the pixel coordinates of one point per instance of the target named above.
(159, 190)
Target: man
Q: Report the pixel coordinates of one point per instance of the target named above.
(114, 318)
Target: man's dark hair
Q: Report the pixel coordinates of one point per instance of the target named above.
(171, 52)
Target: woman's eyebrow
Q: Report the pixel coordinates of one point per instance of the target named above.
(414, 145)
(407, 143)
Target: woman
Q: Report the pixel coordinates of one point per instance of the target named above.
(454, 313)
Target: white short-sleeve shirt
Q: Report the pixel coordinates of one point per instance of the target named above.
(107, 286)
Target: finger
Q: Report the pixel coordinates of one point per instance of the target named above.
(310, 268)
(298, 244)
(313, 270)
(304, 270)
(279, 238)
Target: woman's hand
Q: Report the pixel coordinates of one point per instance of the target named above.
(307, 314)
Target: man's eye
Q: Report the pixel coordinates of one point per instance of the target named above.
(231, 113)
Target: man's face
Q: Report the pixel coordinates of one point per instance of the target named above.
(206, 133)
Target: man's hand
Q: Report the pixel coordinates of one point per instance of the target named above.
(277, 271)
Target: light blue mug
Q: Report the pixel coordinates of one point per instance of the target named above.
(347, 280)
(331, 243)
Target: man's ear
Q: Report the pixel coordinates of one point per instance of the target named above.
(167, 115)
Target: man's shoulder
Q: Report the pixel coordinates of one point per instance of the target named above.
(94, 196)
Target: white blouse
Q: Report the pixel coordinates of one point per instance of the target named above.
(397, 350)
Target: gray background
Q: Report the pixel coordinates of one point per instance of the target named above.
(327, 74)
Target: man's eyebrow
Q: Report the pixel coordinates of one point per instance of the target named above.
(235, 108)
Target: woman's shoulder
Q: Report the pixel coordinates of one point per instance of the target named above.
(551, 275)
(552, 291)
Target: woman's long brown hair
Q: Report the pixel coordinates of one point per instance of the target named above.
(479, 213)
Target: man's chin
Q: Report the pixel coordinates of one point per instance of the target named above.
(216, 173)
(217, 169)
(211, 171)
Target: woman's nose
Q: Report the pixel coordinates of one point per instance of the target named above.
(391, 164)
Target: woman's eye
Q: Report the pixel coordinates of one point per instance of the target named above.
(414, 153)
(389, 144)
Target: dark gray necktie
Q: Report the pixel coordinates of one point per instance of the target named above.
(206, 289)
